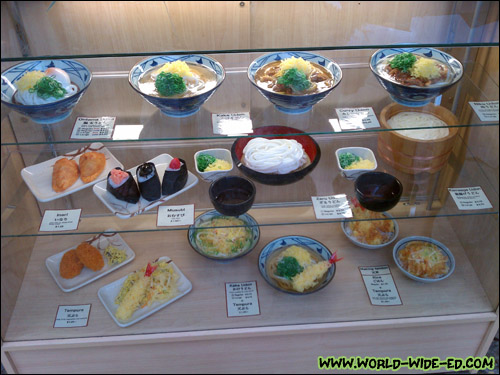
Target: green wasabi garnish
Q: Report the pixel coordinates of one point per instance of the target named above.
(168, 84)
(403, 61)
(346, 159)
(204, 161)
(288, 267)
(47, 87)
(295, 79)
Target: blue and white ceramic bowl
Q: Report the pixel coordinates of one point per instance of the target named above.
(249, 220)
(277, 244)
(294, 104)
(176, 107)
(415, 96)
(52, 112)
(402, 244)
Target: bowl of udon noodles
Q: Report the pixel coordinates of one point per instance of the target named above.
(46, 91)
(177, 85)
(297, 265)
(220, 237)
(294, 81)
(276, 155)
(413, 77)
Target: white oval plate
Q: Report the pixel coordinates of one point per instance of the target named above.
(87, 275)
(108, 293)
(125, 210)
(38, 177)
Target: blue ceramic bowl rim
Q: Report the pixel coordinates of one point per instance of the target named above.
(442, 247)
(308, 96)
(265, 276)
(412, 50)
(52, 104)
(155, 98)
(252, 224)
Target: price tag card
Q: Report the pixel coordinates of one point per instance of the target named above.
(72, 316)
(486, 111)
(232, 123)
(380, 286)
(331, 207)
(357, 118)
(242, 299)
(93, 128)
(170, 216)
(60, 220)
(471, 198)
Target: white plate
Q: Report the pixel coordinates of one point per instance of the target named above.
(38, 177)
(108, 293)
(87, 275)
(347, 231)
(125, 210)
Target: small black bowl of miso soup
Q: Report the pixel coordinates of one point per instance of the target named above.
(232, 195)
(378, 191)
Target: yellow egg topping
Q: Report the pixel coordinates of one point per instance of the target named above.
(218, 165)
(29, 80)
(178, 67)
(425, 68)
(297, 252)
(361, 164)
(298, 63)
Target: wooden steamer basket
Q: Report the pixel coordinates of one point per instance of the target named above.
(414, 156)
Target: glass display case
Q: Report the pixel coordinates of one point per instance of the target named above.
(286, 333)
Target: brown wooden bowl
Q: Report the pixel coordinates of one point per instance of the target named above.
(412, 155)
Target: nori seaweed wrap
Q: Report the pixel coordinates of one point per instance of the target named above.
(175, 177)
(149, 182)
(122, 185)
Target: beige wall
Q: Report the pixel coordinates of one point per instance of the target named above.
(93, 27)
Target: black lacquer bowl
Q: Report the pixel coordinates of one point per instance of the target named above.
(378, 191)
(232, 195)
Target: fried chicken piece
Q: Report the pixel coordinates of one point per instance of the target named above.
(90, 256)
(91, 165)
(64, 175)
(70, 265)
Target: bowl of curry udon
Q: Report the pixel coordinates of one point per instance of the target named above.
(276, 155)
(413, 77)
(297, 264)
(177, 85)
(294, 81)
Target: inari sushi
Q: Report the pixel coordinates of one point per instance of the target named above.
(122, 185)
(149, 182)
(175, 177)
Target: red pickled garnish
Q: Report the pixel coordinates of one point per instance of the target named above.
(175, 163)
(333, 259)
(149, 270)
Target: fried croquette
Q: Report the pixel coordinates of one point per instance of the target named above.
(90, 256)
(70, 265)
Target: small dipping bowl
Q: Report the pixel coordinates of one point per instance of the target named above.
(378, 191)
(232, 195)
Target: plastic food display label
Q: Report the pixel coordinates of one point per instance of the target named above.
(93, 128)
(60, 220)
(332, 207)
(242, 299)
(232, 123)
(471, 198)
(72, 316)
(486, 111)
(380, 286)
(169, 216)
(357, 118)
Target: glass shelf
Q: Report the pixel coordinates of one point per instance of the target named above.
(419, 199)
